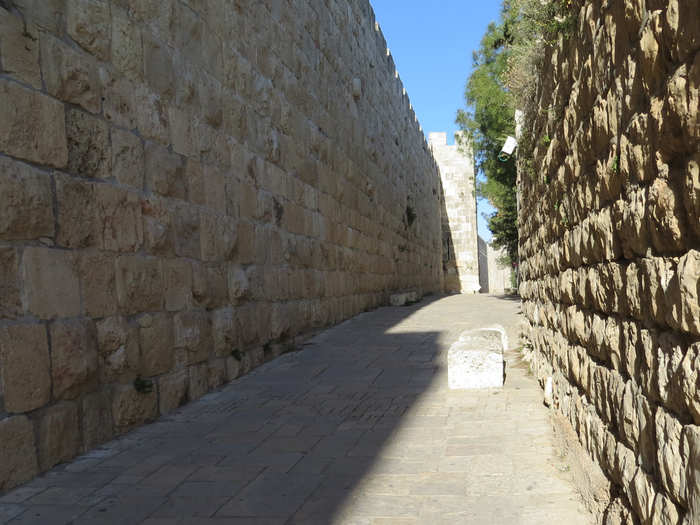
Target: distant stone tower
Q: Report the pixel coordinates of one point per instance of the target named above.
(460, 249)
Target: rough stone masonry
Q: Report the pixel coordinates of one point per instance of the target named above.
(187, 186)
(610, 249)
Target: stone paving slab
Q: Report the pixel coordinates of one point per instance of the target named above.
(359, 427)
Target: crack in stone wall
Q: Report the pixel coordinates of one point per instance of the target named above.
(609, 247)
(186, 188)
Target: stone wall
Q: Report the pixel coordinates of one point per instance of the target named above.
(610, 248)
(460, 252)
(186, 186)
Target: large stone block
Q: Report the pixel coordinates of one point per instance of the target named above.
(118, 345)
(689, 277)
(59, 434)
(96, 418)
(193, 333)
(51, 283)
(691, 195)
(69, 75)
(218, 237)
(165, 172)
(128, 158)
(10, 299)
(33, 126)
(24, 355)
(19, 48)
(172, 390)
(127, 46)
(88, 24)
(690, 484)
(89, 151)
(177, 278)
(158, 226)
(131, 408)
(73, 358)
(224, 330)
(26, 209)
(77, 212)
(18, 462)
(198, 380)
(118, 218)
(159, 68)
(156, 341)
(139, 284)
(47, 14)
(98, 283)
(476, 360)
(666, 222)
(209, 285)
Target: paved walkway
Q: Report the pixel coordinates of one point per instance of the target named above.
(357, 428)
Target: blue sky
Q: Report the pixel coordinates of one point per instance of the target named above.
(432, 44)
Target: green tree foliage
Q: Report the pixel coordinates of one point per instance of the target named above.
(503, 79)
(489, 121)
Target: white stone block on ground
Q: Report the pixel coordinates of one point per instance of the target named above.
(401, 299)
(476, 360)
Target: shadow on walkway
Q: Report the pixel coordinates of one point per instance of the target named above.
(355, 428)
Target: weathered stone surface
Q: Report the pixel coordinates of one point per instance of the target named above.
(156, 341)
(139, 284)
(118, 346)
(627, 174)
(118, 218)
(51, 283)
(127, 46)
(667, 227)
(26, 211)
(158, 226)
(58, 435)
(689, 277)
(96, 419)
(77, 213)
(18, 462)
(98, 283)
(690, 481)
(19, 48)
(73, 358)
(33, 126)
(24, 355)
(88, 24)
(224, 331)
(238, 284)
(44, 13)
(217, 236)
(69, 75)
(177, 277)
(165, 172)
(198, 384)
(193, 333)
(130, 408)
(172, 390)
(89, 152)
(10, 299)
(128, 158)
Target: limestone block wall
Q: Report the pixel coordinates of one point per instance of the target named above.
(460, 253)
(610, 248)
(185, 188)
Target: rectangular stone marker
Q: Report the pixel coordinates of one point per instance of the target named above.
(476, 360)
